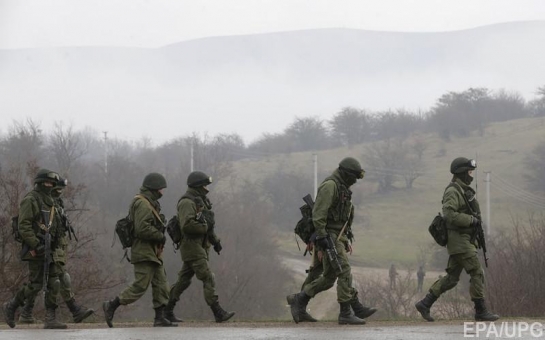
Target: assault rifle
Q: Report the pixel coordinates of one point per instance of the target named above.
(333, 255)
(47, 247)
(478, 235)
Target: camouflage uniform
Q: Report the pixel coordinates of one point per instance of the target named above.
(37, 207)
(198, 235)
(332, 215)
(146, 252)
(461, 220)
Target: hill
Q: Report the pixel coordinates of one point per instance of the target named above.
(391, 227)
(257, 83)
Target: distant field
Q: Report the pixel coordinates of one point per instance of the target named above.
(390, 228)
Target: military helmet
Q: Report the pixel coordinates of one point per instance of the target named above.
(154, 181)
(45, 175)
(198, 179)
(352, 166)
(461, 165)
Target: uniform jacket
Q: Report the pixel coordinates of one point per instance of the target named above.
(148, 230)
(196, 236)
(30, 219)
(333, 206)
(458, 218)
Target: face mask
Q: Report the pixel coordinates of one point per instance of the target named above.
(469, 179)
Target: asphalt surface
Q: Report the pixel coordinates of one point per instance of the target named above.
(277, 330)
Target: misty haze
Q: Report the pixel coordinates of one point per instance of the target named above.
(257, 113)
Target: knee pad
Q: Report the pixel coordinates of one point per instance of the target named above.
(66, 281)
(56, 286)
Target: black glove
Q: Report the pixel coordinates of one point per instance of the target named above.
(475, 222)
(218, 247)
(39, 250)
(322, 243)
(164, 240)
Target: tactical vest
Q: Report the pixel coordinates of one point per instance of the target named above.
(341, 207)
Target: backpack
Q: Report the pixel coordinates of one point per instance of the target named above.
(124, 229)
(174, 231)
(304, 227)
(438, 230)
(438, 227)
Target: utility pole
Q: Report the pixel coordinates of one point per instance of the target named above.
(105, 151)
(315, 160)
(191, 155)
(487, 181)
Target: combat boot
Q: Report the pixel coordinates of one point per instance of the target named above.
(51, 321)
(9, 308)
(109, 308)
(79, 313)
(360, 310)
(481, 313)
(347, 317)
(26, 313)
(160, 320)
(424, 306)
(219, 313)
(303, 315)
(169, 312)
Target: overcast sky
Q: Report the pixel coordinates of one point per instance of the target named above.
(154, 23)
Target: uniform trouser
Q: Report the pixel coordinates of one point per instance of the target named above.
(314, 273)
(419, 289)
(469, 262)
(345, 291)
(66, 283)
(201, 270)
(65, 286)
(145, 273)
(29, 291)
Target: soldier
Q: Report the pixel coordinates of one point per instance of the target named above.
(37, 217)
(393, 276)
(146, 252)
(198, 235)
(462, 221)
(332, 217)
(79, 313)
(420, 278)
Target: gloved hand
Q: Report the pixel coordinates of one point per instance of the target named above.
(38, 251)
(164, 240)
(322, 242)
(475, 222)
(218, 247)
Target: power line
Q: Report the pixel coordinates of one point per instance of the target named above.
(510, 193)
(519, 191)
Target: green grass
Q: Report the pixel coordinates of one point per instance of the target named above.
(391, 227)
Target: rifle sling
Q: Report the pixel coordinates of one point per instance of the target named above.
(152, 208)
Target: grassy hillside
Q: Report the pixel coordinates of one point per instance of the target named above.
(391, 227)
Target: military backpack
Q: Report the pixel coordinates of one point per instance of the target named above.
(174, 231)
(304, 227)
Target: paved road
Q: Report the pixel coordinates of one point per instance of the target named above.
(281, 330)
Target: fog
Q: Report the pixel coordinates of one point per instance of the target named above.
(257, 84)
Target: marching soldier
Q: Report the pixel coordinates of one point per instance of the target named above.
(332, 217)
(40, 227)
(146, 252)
(197, 226)
(461, 212)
